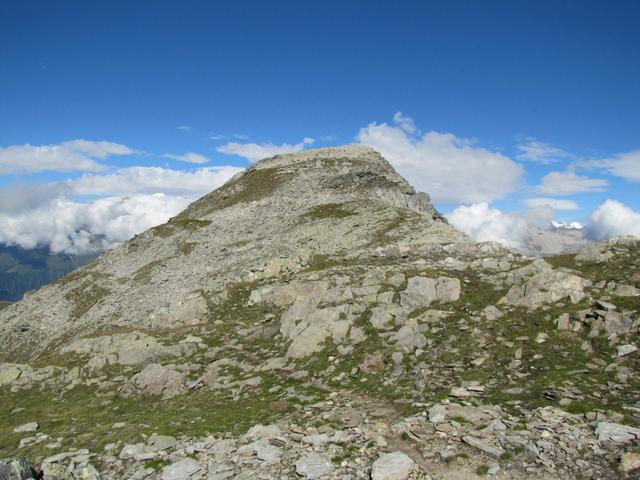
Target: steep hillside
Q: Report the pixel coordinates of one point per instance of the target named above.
(315, 317)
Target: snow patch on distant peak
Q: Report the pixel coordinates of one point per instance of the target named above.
(570, 225)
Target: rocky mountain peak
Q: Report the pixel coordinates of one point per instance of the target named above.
(315, 177)
(279, 215)
(315, 317)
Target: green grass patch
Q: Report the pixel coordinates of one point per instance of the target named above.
(482, 470)
(190, 224)
(143, 274)
(84, 297)
(164, 231)
(616, 269)
(329, 210)
(186, 248)
(157, 464)
(626, 303)
(83, 417)
(255, 184)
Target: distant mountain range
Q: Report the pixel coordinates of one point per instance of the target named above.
(24, 270)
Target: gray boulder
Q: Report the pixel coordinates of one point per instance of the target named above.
(156, 379)
(18, 469)
(181, 470)
(422, 291)
(545, 285)
(616, 433)
(616, 322)
(392, 466)
(314, 465)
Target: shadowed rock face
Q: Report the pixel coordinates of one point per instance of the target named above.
(273, 218)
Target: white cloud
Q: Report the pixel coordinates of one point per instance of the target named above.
(74, 227)
(484, 223)
(257, 151)
(554, 203)
(185, 128)
(71, 156)
(626, 165)
(611, 219)
(533, 150)
(404, 122)
(138, 198)
(16, 198)
(450, 169)
(568, 183)
(189, 157)
(153, 180)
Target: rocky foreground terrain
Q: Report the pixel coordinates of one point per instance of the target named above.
(316, 318)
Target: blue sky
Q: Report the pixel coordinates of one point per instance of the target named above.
(543, 86)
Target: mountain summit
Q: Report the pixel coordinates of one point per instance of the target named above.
(316, 317)
(279, 216)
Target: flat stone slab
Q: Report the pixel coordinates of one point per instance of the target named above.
(181, 470)
(616, 433)
(314, 465)
(483, 446)
(27, 427)
(392, 466)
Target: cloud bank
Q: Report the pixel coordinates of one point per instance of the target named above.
(71, 156)
(450, 169)
(75, 227)
(611, 219)
(136, 199)
(484, 223)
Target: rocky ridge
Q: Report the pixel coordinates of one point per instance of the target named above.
(318, 294)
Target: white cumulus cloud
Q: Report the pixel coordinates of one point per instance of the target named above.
(568, 183)
(484, 223)
(257, 151)
(19, 197)
(404, 122)
(450, 169)
(71, 156)
(611, 219)
(554, 203)
(75, 227)
(189, 157)
(137, 198)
